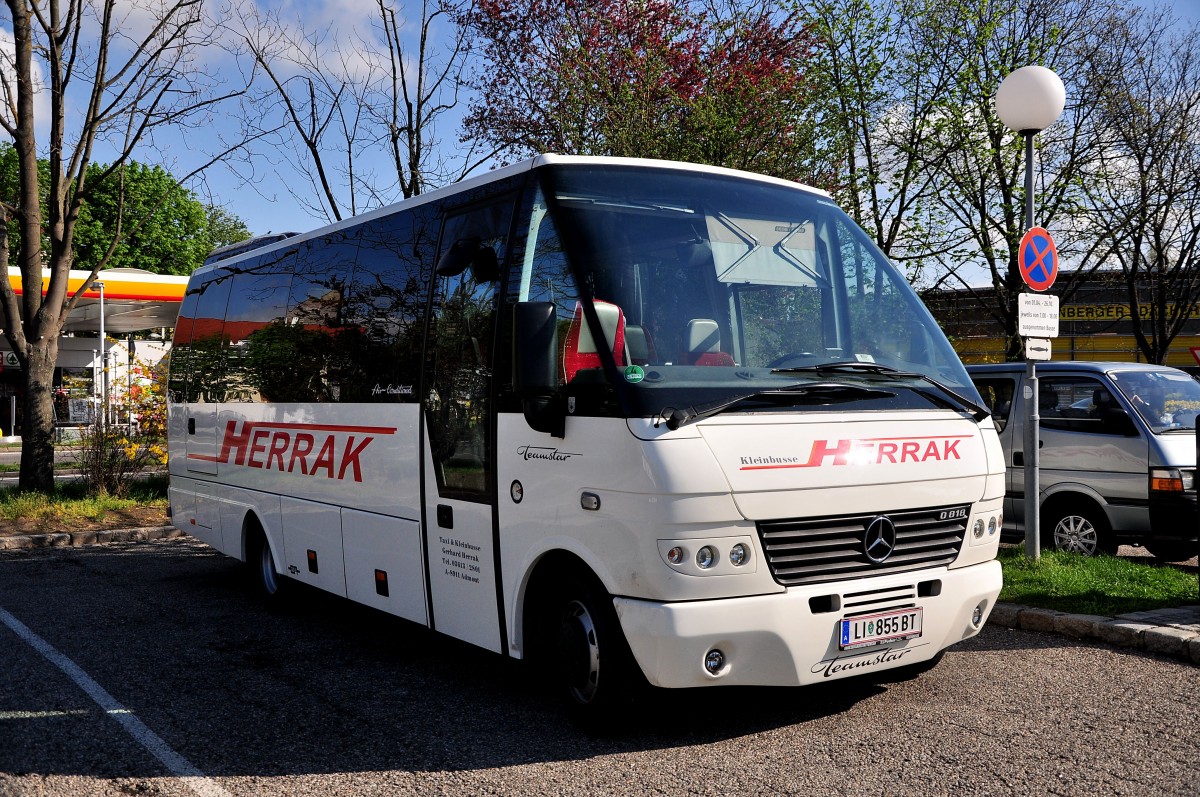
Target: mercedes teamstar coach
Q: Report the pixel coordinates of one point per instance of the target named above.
(639, 421)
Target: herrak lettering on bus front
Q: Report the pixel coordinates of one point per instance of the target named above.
(867, 451)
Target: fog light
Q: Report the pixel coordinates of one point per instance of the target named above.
(676, 555)
(979, 529)
(706, 557)
(992, 525)
(714, 662)
(738, 555)
(977, 615)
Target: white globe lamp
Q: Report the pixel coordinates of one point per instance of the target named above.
(1030, 99)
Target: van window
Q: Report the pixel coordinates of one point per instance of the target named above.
(997, 396)
(1168, 400)
(1075, 404)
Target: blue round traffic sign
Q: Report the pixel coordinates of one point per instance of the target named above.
(1038, 259)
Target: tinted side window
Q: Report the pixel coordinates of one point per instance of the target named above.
(258, 300)
(181, 346)
(301, 356)
(384, 308)
(207, 352)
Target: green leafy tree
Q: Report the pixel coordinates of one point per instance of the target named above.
(170, 231)
(172, 236)
(224, 228)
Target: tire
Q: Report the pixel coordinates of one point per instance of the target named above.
(1079, 527)
(270, 585)
(591, 665)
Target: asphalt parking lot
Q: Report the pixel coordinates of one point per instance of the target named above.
(185, 684)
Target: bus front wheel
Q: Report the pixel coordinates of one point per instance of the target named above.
(592, 663)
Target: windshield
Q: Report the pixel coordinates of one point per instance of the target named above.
(1168, 400)
(708, 287)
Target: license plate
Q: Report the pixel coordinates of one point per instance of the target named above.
(879, 629)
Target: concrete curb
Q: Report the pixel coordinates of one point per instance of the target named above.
(1165, 632)
(75, 539)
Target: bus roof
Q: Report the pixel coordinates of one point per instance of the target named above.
(538, 161)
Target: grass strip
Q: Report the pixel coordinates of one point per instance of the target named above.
(1103, 585)
(70, 502)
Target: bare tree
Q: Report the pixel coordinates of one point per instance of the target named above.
(978, 165)
(341, 103)
(80, 75)
(1144, 198)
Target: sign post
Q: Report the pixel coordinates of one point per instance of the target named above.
(1029, 100)
(1037, 322)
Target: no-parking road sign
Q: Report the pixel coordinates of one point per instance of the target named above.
(1038, 259)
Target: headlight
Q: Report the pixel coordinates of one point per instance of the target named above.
(1171, 480)
(710, 556)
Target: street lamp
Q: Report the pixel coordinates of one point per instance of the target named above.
(1028, 101)
(103, 408)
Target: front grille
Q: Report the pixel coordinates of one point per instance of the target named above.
(812, 550)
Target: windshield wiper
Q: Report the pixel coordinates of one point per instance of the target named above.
(956, 401)
(793, 393)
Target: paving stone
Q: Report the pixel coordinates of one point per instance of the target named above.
(1124, 633)
(1038, 619)
(1193, 650)
(1080, 626)
(1167, 641)
(1005, 614)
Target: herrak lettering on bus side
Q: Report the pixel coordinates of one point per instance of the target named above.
(305, 448)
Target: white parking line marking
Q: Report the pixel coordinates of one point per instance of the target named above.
(41, 715)
(152, 742)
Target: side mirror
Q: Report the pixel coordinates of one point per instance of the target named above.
(535, 366)
(461, 254)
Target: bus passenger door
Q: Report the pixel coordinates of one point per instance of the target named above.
(459, 429)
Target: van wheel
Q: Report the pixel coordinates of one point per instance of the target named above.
(1077, 528)
(593, 668)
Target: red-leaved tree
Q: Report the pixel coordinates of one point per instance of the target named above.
(718, 84)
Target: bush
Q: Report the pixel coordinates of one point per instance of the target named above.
(110, 459)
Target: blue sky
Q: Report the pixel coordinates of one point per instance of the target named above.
(271, 208)
(258, 191)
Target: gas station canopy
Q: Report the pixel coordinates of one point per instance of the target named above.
(133, 300)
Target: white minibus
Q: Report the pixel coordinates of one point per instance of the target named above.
(638, 421)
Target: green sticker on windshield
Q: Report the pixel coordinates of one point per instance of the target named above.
(634, 374)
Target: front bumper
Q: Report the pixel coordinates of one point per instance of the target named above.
(791, 638)
(1173, 517)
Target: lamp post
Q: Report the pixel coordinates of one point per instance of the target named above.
(102, 415)
(1029, 100)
